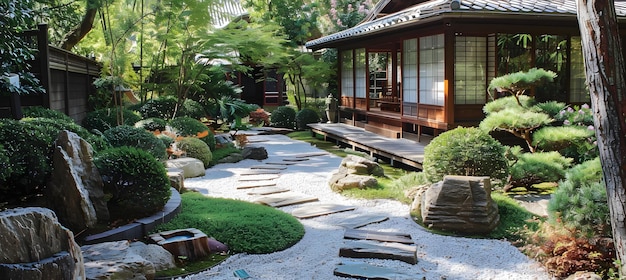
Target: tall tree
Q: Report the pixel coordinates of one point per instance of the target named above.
(604, 68)
(79, 31)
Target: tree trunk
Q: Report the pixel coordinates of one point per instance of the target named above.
(80, 31)
(604, 67)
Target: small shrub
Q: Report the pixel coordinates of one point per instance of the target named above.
(55, 126)
(533, 168)
(196, 148)
(578, 115)
(306, 116)
(186, 127)
(137, 182)
(162, 108)
(104, 119)
(152, 124)
(259, 117)
(191, 108)
(41, 112)
(5, 164)
(125, 135)
(283, 117)
(574, 141)
(464, 151)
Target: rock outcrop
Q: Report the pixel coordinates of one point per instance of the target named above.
(460, 204)
(36, 246)
(191, 167)
(355, 172)
(75, 190)
(252, 152)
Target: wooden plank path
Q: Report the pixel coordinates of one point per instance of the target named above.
(358, 221)
(285, 199)
(379, 245)
(397, 150)
(313, 211)
(368, 271)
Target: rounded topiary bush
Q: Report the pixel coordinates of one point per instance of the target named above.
(464, 151)
(284, 117)
(152, 124)
(196, 148)
(186, 126)
(191, 108)
(104, 119)
(135, 180)
(162, 108)
(306, 116)
(125, 135)
(41, 112)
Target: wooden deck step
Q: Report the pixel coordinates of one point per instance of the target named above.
(269, 167)
(358, 221)
(378, 236)
(259, 172)
(379, 250)
(366, 271)
(261, 177)
(312, 211)
(285, 199)
(266, 190)
(256, 185)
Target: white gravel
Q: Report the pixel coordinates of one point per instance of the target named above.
(317, 254)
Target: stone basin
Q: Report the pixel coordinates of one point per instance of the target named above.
(190, 242)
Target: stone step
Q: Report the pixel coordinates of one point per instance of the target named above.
(378, 236)
(367, 271)
(379, 250)
(269, 167)
(256, 185)
(294, 159)
(261, 177)
(357, 221)
(313, 154)
(275, 162)
(266, 190)
(312, 211)
(259, 172)
(285, 199)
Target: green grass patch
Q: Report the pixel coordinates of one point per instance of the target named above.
(183, 267)
(223, 152)
(513, 219)
(245, 227)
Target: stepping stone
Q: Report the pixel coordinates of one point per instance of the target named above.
(295, 159)
(285, 199)
(269, 167)
(257, 185)
(358, 221)
(259, 177)
(280, 163)
(266, 190)
(367, 271)
(312, 211)
(259, 172)
(378, 236)
(315, 154)
(379, 250)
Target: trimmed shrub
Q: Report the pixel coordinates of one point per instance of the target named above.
(508, 102)
(284, 117)
(5, 164)
(135, 180)
(162, 108)
(54, 126)
(152, 124)
(196, 148)
(190, 127)
(191, 108)
(552, 108)
(259, 117)
(464, 151)
(306, 116)
(580, 201)
(533, 168)
(41, 112)
(125, 135)
(104, 119)
(574, 141)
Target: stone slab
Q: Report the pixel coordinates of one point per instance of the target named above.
(379, 250)
(269, 167)
(259, 177)
(259, 172)
(361, 234)
(314, 154)
(358, 221)
(256, 185)
(367, 271)
(312, 211)
(285, 199)
(295, 159)
(280, 163)
(266, 190)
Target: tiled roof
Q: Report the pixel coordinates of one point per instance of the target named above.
(224, 11)
(437, 7)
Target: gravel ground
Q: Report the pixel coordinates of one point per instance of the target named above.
(316, 255)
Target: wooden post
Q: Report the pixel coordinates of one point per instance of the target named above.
(604, 68)
(44, 63)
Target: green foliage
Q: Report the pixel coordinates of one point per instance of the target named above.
(125, 135)
(223, 152)
(162, 108)
(508, 102)
(552, 108)
(104, 119)
(191, 108)
(245, 227)
(513, 218)
(197, 149)
(284, 117)
(186, 126)
(152, 124)
(305, 117)
(230, 109)
(41, 112)
(528, 169)
(5, 165)
(53, 127)
(514, 121)
(518, 82)
(464, 151)
(580, 202)
(578, 115)
(576, 142)
(137, 182)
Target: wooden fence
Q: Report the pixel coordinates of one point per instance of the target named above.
(66, 77)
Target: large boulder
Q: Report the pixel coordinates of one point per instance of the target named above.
(75, 190)
(191, 167)
(361, 166)
(460, 204)
(36, 246)
(341, 181)
(125, 260)
(355, 172)
(252, 152)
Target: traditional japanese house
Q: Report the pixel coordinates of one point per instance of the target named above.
(414, 67)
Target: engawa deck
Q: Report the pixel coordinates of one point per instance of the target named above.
(396, 150)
